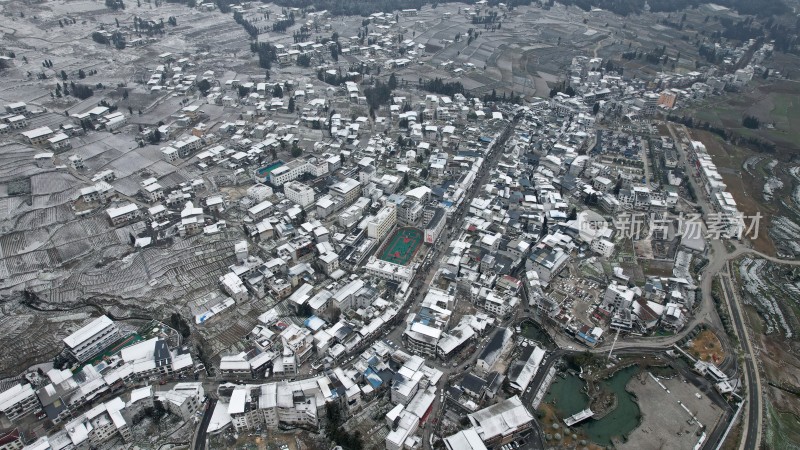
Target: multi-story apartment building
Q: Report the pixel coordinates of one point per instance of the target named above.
(92, 338)
(299, 193)
(349, 189)
(18, 401)
(289, 171)
(383, 222)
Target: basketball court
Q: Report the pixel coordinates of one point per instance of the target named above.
(402, 246)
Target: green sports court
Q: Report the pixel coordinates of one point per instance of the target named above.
(402, 246)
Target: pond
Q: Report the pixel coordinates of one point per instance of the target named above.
(535, 332)
(569, 398)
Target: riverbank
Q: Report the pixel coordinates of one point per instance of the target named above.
(619, 418)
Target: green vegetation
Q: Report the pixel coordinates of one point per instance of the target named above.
(770, 112)
(337, 433)
(782, 429)
(177, 322)
(722, 309)
(751, 122)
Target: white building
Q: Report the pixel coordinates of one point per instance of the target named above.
(17, 108)
(603, 246)
(39, 135)
(99, 424)
(98, 192)
(422, 339)
(521, 373)
(233, 286)
(299, 193)
(259, 192)
(289, 171)
(502, 422)
(468, 439)
(170, 153)
(187, 146)
(383, 222)
(92, 338)
(183, 400)
(18, 401)
(123, 214)
(59, 142)
(349, 189)
(389, 271)
(496, 346)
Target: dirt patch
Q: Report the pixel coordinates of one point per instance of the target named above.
(773, 102)
(657, 268)
(732, 442)
(745, 190)
(707, 347)
(781, 365)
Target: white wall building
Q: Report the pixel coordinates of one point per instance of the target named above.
(383, 222)
(299, 193)
(92, 338)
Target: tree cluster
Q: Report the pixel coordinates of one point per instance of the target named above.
(180, 325)
(355, 7)
(493, 97)
(81, 91)
(280, 26)
(489, 18)
(439, 86)
(223, 5)
(115, 4)
(148, 26)
(336, 80)
(118, 40)
(100, 38)
(751, 122)
(758, 8)
(378, 95)
(267, 53)
(562, 87)
(204, 86)
(337, 433)
(756, 143)
(251, 29)
(304, 60)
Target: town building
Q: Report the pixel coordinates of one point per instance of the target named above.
(383, 222)
(299, 193)
(92, 338)
(18, 401)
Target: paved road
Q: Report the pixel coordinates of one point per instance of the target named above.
(705, 313)
(453, 230)
(202, 428)
(752, 378)
(753, 414)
